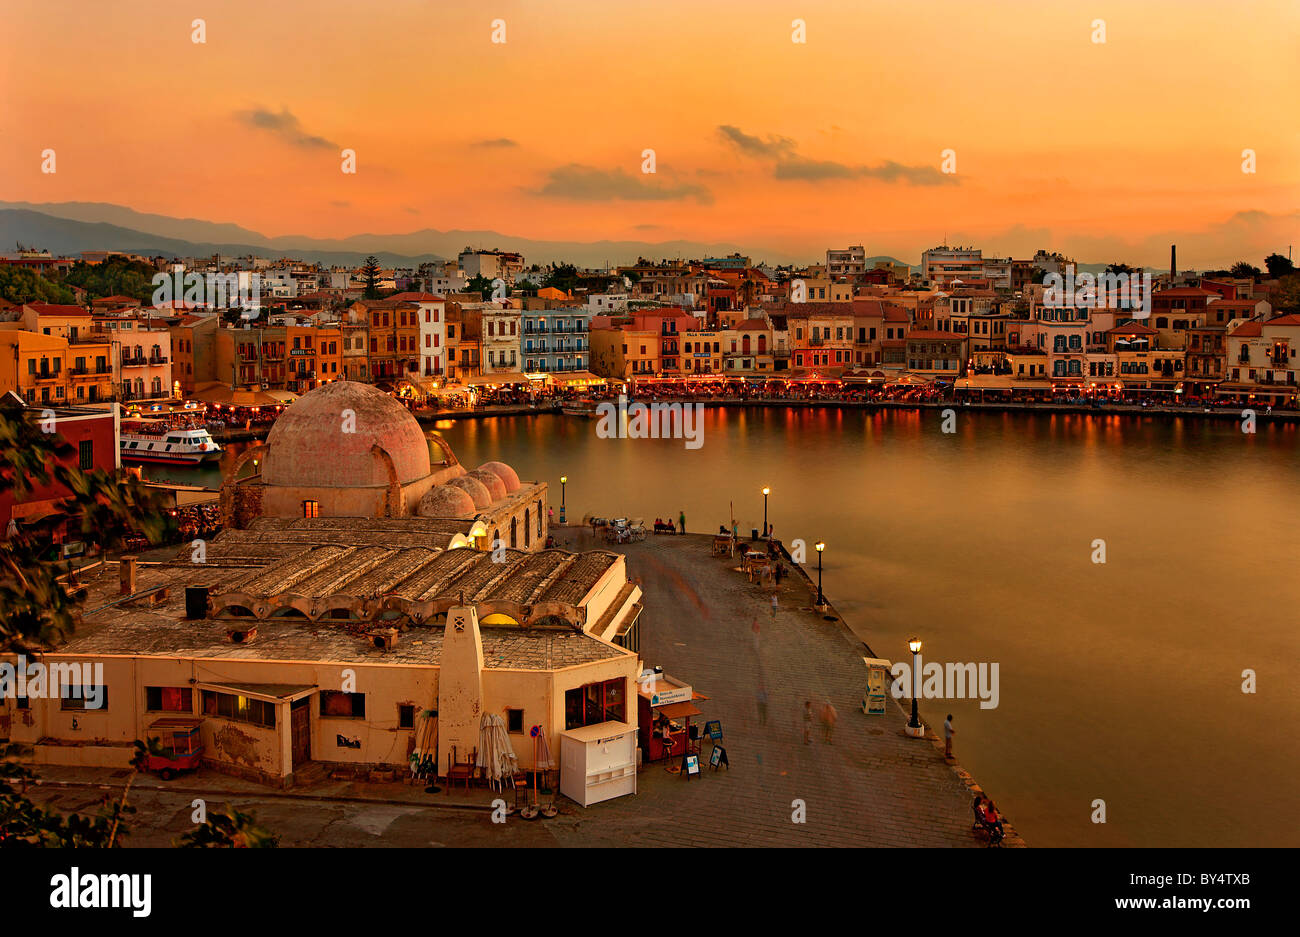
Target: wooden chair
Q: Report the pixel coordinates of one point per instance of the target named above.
(461, 769)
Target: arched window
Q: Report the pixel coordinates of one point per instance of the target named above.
(514, 532)
(528, 531)
(762, 344)
(744, 344)
(539, 518)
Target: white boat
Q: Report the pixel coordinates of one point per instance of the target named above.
(154, 441)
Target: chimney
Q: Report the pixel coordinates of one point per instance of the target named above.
(126, 568)
(1173, 261)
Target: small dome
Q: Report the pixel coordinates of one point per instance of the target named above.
(446, 501)
(492, 482)
(503, 472)
(474, 488)
(323, 440)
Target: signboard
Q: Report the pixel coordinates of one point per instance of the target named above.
(713, 729)
(875, 700)
(661, 694)
(692, 763)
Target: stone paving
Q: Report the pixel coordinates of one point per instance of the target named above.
(871, 786)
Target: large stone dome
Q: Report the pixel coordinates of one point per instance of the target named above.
(503, 472)
(309, 448)
(446, 501)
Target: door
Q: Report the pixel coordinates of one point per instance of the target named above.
(300, 729)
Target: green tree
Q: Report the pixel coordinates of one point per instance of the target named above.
(1118, 268)
(1243, 269)
(227, 828)
(1286, 298)
(37, 607)
(21, 285)
(481, 285)
(370, 273)
(1278, 266)
(116, 276)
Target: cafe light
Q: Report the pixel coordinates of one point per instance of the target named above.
(914, 645)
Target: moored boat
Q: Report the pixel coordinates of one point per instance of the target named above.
(154, 441)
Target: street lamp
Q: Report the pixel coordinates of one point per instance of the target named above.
(766, 492)
(821, 599)
(564, 480)
(914, 724)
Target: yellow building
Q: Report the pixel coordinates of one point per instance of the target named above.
(50, 369)
(356, 618)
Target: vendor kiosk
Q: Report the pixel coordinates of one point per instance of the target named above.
(664, 710)
(598, 762)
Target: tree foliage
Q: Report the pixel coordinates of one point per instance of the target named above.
(1278, 266)
(116, 276)
(20, 285)
(37, 608)
(370, 273)
(227, 828)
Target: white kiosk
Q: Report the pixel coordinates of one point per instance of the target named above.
(598, 762)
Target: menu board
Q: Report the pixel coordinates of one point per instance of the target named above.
(876, 698)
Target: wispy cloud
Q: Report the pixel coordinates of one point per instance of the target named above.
(773, 147)
(285, 126)
(589, 184)
(789, 166)
(497, 143)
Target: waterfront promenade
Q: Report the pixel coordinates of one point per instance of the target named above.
(871, 786)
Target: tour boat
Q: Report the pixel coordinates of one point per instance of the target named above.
(155, 441)
(583, 407)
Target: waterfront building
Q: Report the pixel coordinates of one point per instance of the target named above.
(623, 351)
(936, 355)
(556, 340)
(431, 312)
(393, 332)
(358, 629)
(501, 353)
(821, 334)
(1262, 363)
(701, 352)
(50, 369)
(194, 350)
(747, 348)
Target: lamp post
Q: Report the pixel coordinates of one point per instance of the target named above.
(766, 492)
(914, 727)
(564, 480)
(821, 599)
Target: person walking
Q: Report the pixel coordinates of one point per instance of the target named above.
(948, 733)
(807, 722)
(774, 605)
(550, 516)
(681, 518)
(829, 715)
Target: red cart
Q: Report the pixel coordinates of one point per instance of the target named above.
(181, 748)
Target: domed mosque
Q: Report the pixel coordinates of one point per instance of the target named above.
(348, 449)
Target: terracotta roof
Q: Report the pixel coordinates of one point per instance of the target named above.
(753, 325)
(1289, 319)
(1133, 328)
(1247, 330)
(417, 297)
(57, 309)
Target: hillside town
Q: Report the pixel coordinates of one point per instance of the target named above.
(490, 327)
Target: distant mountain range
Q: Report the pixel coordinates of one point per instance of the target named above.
(70, 227)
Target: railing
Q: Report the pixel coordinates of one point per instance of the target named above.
(157, 359)
(132, 361)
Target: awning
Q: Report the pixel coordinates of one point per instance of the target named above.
(265, 691)
(217, 393)
(576, 377)
(505, 377)
(1001, 382)
(29, 512)
(678, 710)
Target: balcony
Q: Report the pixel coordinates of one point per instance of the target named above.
(157, 359)
(47, 375)
(133, 361)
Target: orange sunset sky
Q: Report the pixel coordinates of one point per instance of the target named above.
(1105, 151)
